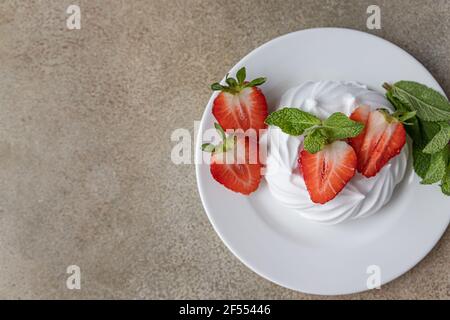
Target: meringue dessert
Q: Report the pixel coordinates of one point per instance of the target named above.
(362, 196)
(334, 150)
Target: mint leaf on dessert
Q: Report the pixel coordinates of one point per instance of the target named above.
(437, 168)
(439, 140)
(292, 121)
(315, 141)
(339, 126)
(317, 133)
(429, 104)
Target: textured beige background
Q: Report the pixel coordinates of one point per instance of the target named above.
(85, 124)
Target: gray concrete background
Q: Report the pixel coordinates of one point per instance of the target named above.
(85, 124)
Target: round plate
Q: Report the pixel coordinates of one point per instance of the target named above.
(280, 245)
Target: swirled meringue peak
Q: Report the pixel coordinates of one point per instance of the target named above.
(361, 197)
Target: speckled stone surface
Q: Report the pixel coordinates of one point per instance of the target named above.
(85, 124)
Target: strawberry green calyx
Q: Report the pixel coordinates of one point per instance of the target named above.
(234, 86)
(226, 144)
(208, 147)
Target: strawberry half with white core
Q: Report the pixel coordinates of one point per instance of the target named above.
(382, 139)
(328, 171)
(240, 104)
(235, 162)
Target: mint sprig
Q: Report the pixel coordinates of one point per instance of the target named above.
(429, 129)
(317, 133)
(429, 104)
(292, 121)
(315, 141)
(437, 168)
(339, 126)
(439, 140)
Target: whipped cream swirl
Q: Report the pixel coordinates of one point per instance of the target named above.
(362, 196)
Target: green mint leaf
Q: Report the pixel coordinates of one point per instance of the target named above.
(220, 131)
(241, 75)
(315, 141)
(438, 166)
(445, 186)
(430, 139)
(208, 147)
(429, 104)
(422, 132)
(429, 130)
(292, 121)
(339, 126)
(256, 82)
(398, 105)
(414, 130)
(412, 124)
(421, 161)
(439, 140)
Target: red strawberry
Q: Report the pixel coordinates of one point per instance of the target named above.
(240, 105)
(235, 163)
(361, 114)
(382, 139)
(327, 172)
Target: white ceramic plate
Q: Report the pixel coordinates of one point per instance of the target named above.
(277, 243)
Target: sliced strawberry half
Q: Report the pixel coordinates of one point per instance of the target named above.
(235, 162)
(328, 171)
(382, 139)
(240, 104)
(361, 114)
